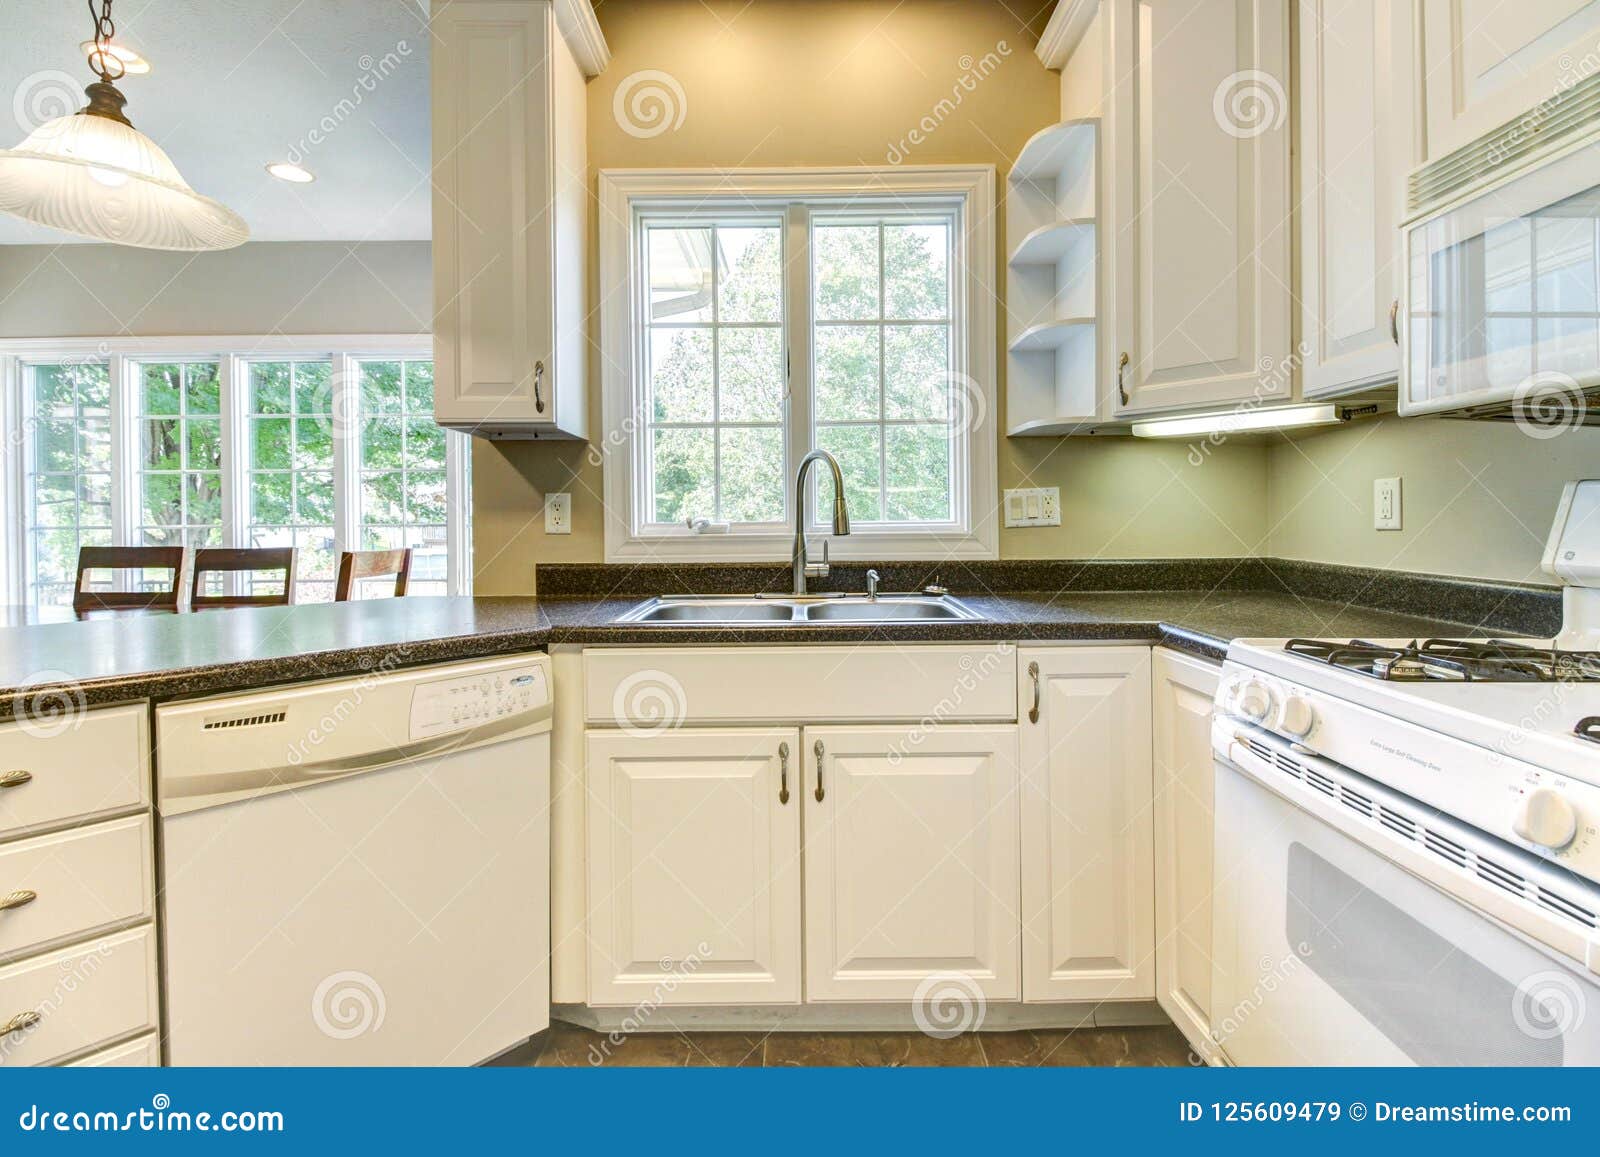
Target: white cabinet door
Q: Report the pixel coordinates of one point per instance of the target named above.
(1184, 688)
(694, 866)
(1197, 148)
(508, 221)
(1355, 149)
(911, 862)
(1488, 62)
(1087, 922)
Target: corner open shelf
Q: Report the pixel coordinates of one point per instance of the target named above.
(1052, 281)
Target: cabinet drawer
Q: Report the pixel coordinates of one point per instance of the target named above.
(142, 1052)
(96, 767)
(650, 689)
(83, 880)
(79, 997)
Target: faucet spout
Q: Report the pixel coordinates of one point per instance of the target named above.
(841, 519)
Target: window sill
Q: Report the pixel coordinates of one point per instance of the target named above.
(859, 547)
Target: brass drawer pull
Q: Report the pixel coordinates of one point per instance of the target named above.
(783, 773)
(16, 778)
(22, 1022)
(21, 898)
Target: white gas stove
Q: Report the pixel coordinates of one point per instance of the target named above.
(1418, 821)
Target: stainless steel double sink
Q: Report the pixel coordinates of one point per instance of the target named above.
(799, 609)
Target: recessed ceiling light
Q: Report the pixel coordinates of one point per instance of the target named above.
(132, 63)
(285, 171)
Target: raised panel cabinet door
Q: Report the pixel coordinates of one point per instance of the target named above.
(1184, 688)
(1087, 891)
(493, 188)
(1488, 62)
(694, 866)
(1197, 142)
(1355, 142)
(911, 865)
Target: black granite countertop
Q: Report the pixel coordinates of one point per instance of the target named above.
(139, 656)
(1198, 606)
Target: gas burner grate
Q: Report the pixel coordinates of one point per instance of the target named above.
(1589, 729)
(1453, 660)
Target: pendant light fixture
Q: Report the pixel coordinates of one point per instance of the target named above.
(92, 173)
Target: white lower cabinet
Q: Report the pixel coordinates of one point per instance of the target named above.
(1184, 688)
(694, 866)
(911, 860)
(1087, 920)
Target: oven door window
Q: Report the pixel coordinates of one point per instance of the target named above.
(1327, 954)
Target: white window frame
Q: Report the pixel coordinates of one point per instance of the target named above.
(232, 353)
(629, 196)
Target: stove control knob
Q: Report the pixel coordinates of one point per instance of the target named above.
(1297, 717)
(1256, 701)
(1546, 818)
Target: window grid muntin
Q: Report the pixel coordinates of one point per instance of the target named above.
(408, 532)
(83, 533)
(142, 417)
(712, 222)
(311, 580)
(950, 220)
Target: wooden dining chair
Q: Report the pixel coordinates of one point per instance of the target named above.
(222, 560)
(93, 558)
(355, 565)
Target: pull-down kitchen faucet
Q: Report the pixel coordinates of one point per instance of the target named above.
(841, 519)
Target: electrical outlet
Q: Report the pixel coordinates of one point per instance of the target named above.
(558, 514)
(1038, 506)
(1386, 512)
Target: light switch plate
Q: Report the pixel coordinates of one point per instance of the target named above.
(1036, 506)
(1386, 504)
(558, 514)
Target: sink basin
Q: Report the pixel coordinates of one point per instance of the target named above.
(715, 612)
(887, 610)
(802, 610)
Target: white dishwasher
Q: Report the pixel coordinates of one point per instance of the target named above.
(356, 871)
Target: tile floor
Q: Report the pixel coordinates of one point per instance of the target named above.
(567, 1045)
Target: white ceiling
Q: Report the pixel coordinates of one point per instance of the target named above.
(235, 84)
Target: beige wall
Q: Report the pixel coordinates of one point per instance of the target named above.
(841, 82)
(266, 287)
(1478, 496)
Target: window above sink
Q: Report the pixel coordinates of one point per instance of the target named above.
(751, 316)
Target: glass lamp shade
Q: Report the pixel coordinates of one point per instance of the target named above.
(102, 178)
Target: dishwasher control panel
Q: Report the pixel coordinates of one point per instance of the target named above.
(463, 702)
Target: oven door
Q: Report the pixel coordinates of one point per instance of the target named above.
(1327, 953)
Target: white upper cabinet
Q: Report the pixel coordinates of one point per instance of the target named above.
(1356, 145)
(1197, 176)
(1487, 62)
(510, 204)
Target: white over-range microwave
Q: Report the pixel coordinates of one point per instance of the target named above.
(1502, 308)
